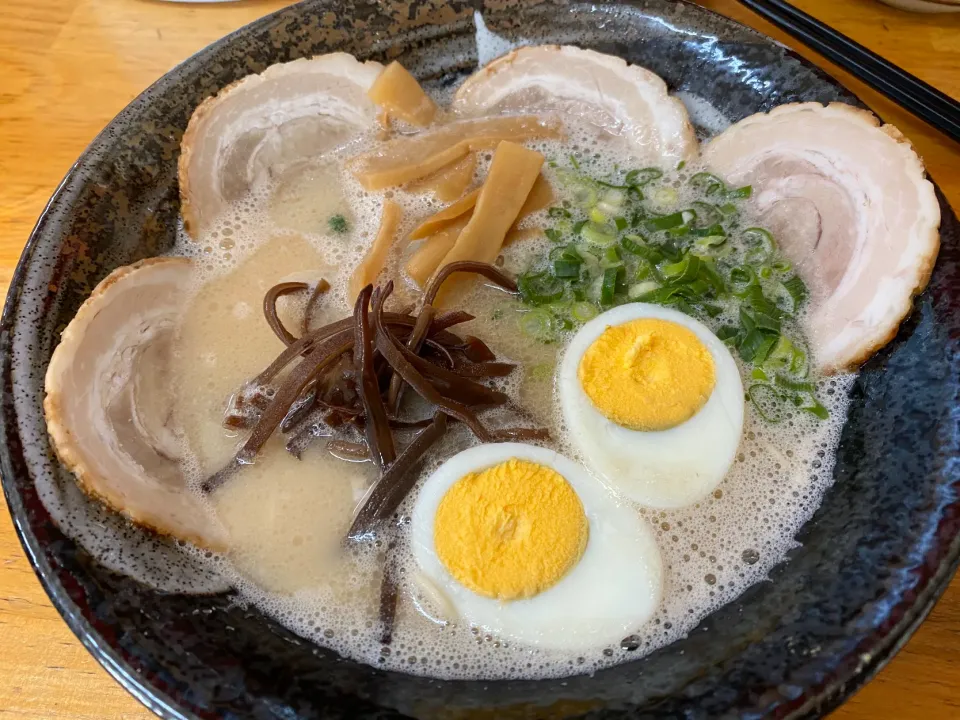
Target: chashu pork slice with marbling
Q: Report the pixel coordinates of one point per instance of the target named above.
(263, 125)
(108, 402)
(848, 201)
(620, 100)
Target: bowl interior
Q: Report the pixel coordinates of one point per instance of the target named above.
(872, 560)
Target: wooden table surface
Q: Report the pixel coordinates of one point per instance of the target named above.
(68, 66)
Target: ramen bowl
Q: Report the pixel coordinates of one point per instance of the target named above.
(867, 567)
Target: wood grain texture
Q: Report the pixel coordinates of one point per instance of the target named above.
(68, 66)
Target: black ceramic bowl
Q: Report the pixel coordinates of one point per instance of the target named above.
(873, 559)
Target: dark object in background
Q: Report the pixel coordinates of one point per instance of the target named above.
(909, 91)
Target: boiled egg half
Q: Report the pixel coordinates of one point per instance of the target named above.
(525, 544)
(653, 401)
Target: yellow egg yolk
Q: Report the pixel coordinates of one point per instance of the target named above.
(510, 531)
(647, 374)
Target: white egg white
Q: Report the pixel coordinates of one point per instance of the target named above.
(611, 592)
(666, 468)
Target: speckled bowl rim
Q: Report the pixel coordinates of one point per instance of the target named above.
(853, 672)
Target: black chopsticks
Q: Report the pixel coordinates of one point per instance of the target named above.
(912, 93)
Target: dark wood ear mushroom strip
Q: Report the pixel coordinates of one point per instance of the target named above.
(377, 431)
(350, 376)
(270, 308)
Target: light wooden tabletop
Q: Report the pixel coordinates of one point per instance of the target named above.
(68, 66)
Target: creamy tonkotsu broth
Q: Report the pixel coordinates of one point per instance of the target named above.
(289, 516)
(660, 419)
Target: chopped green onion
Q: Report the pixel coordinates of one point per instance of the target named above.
(612, 186)
(741, 192)
(682, 272)
(707, 214)
(798, 363)
(645, 271)
(590, 256)
(611, 257)
(715, 229)
(338, 224)
(578, 226)
(566, 252)
(597, 216)
(728, 209)
(665, 222)
(764, 272)
(682, 164)
(758, 374)
(764, 349)
(539, 288)
(538, 324)
(751, 344)
(644, 176)
(561, 315)
(573, 161)
(795, 385)
(613, 197)
(609, 210)
(742, 278)
(664, 196)
(608, 286)
(642, 289)
(728, 334)
(584, 195)
(552, 234)
(621, 223)
(782, 266)
(781, 357)
(670, 250)
(765, 405)
(639, 246)
(583, 311)
(760, 313)
(682, 305)
(796, 289)
(566, 270)
(696, 289)
(599, 234)
(755, 299)
(813, 406)
(708, 182)
(708, 272)
(593, 290)
(763, 245)
(709, 242)
(559, 213)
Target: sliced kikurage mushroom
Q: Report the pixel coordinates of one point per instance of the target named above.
(108, 404)
(288, 114)
(848, 201)
(624, 100)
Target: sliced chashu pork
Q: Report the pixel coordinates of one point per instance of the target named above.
(623, 100)
(848, 201)
(109, 406)
(288, 114)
